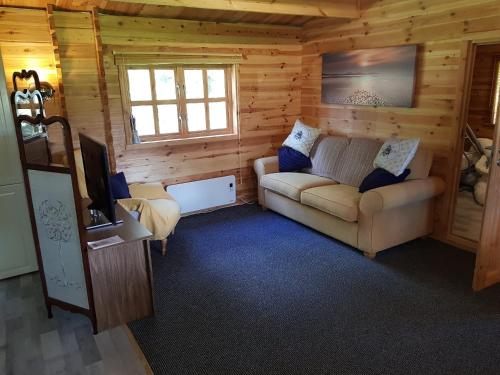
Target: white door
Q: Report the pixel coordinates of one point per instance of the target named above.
(17, 250)
(10, 167)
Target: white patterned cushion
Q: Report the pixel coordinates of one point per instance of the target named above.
(395, 155)
(302, 137)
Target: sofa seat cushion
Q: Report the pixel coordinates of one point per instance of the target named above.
(339, 200)
(291, 184)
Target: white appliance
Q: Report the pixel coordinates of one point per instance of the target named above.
(17, 248)
(204, 194)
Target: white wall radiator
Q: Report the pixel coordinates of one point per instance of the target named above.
(204, 194)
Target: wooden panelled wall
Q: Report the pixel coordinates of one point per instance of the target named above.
(269, 86)
(482, 90)
(75, 48)
(269, 96)
(27, 47)
(279, 79)
(440, 28)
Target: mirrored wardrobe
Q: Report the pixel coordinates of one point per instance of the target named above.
(479, 135)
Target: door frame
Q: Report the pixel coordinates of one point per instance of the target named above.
(466, 73)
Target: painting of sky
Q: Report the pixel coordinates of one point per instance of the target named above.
(382, 77)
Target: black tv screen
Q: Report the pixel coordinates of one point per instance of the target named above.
(97, 178)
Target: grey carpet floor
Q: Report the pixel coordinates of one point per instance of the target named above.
(243, 291)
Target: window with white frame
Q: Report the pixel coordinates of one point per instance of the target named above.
(179, 102)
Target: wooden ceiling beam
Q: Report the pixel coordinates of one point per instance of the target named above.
(314, 8)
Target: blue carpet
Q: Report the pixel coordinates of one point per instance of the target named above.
(243, 291)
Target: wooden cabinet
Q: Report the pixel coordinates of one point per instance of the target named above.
(17, 250)
(121, 274)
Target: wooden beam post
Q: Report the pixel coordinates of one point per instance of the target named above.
(315, 8)
(103, 90)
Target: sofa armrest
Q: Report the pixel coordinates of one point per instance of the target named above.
(397, 195)
(261, 167)
(267, 165)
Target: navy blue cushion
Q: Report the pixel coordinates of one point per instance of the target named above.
(380, 177)
(119, 186)
(291, 160)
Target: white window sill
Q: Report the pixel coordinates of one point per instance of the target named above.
(182, 141)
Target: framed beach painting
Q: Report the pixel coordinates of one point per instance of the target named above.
(382, 77)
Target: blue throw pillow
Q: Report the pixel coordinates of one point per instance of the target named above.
(380, 177)
(119, 186)
(291, 160)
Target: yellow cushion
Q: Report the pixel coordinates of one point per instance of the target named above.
(339, 200)
(291, 184)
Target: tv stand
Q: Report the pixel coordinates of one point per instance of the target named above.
(94, 219)
(121, 275)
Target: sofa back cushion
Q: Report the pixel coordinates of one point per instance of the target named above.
(345, 160)
(327, 155)
(358, 161)
(349, 160)
(421, 164)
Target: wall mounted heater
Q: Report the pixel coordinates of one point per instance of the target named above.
(204, 194)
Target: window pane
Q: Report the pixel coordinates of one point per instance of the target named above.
(139, 84)
(216, 83)
(218, 115)
(169, 121)
(196, 117)
(144, 119)
(193, 80)
(165, 84)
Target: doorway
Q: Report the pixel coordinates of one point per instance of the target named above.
(477, 144)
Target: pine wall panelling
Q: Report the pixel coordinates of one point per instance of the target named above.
(441, 29)
(25, 43)
(75, 44)
(268, 96)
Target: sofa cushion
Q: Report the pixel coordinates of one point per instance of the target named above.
(396, 154)
(291, 184)
(302, 137)
(291, 160)
(343, 159)
(339, 200)
(421, 164)
(380, 177)
(119, 186)
(326, 156)
(358, 161)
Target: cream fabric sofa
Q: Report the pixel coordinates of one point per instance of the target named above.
(326, 198)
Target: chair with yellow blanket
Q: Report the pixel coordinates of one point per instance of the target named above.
(156, 209)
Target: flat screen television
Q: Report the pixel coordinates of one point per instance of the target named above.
(97, 177)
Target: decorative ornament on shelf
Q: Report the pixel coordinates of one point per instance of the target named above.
(135, 135)
(46, 91)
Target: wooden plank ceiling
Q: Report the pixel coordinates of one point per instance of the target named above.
(274, 12)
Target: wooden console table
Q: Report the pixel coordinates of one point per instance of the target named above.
(122, 282)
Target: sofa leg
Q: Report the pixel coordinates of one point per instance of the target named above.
(164, 247)
(369, 255)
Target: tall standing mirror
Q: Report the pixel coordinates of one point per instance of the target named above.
(476, 152)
